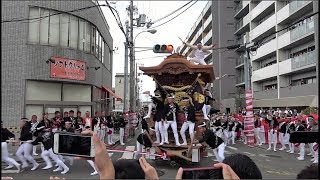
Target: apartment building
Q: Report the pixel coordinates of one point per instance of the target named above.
(215, 25)
(284, 66)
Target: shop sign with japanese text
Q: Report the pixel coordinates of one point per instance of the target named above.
(68, 69)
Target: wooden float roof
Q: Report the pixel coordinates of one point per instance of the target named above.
(177, 64)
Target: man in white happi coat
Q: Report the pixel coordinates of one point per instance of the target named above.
(198, 52)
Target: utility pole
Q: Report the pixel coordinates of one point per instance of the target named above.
(132, 69)
(125, 89)
(316, 38)
(249, 121)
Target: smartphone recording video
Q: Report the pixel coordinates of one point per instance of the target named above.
(71, 144)
(202, 173)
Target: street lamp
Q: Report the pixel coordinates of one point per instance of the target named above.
(133, 71)
(152, 31)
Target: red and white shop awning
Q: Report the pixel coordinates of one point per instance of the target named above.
(118, 98)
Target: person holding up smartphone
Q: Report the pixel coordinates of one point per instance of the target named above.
(215, 142)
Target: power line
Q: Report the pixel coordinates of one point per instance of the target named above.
(117, 20)
(171, 12)
(150, 57)
(176, 15)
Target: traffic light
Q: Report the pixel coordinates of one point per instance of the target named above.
(162, 48)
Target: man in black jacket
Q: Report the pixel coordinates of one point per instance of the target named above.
(25, 149)
(300, 127)
(159, 113)
(110, 125)
(272, 135)
(190, 118)
(122, 126)
(171, 113)
(47, 140)
(215, 142)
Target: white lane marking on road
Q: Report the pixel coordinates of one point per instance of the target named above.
(233, 148)
(250, 154)
(128, 155)
(9, 171)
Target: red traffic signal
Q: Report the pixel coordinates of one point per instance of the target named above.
(162, 48)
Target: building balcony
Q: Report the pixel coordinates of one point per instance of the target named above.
(263, 28)
(299, 90)
(267, 94)
(261, 9)
(207, 40)
(265, 50)
(242, 25)
(304, 60)
(297, 36)
(293, 11)
(207, 24)
(241, 9)
(300, 63)
(207, 10)
(265, 73)
(296, 5)
(301, 30)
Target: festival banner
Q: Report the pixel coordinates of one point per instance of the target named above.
(68, 69)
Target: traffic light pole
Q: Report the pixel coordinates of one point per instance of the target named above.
(132, 69)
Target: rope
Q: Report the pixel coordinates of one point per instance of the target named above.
(161, 155)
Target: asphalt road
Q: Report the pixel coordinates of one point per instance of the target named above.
(273, 165)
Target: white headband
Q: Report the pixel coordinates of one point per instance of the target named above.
(202, 125)
(171, 97)
(185, 100)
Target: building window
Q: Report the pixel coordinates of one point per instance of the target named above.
(43, 91)
(49, 27)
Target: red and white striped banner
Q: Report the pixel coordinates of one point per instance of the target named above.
(249, 119)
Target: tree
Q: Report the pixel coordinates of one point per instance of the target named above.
(311, 110)
(239, 97)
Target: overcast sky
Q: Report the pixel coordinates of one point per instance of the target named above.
(166, 34)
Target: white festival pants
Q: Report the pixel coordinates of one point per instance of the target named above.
(206, 111)
(121, 132)
(159, 131)
(257, 135)
(219, 152)
(5, 155)
(272, 138)
(184, 127)
(140, 148)
(49, 153)
(233, 136)
(102, 134)
(173, 125)
(302, 150)
(196, 60)
(226, 136)
(24, 153)
(110, 136)
(283, 139)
